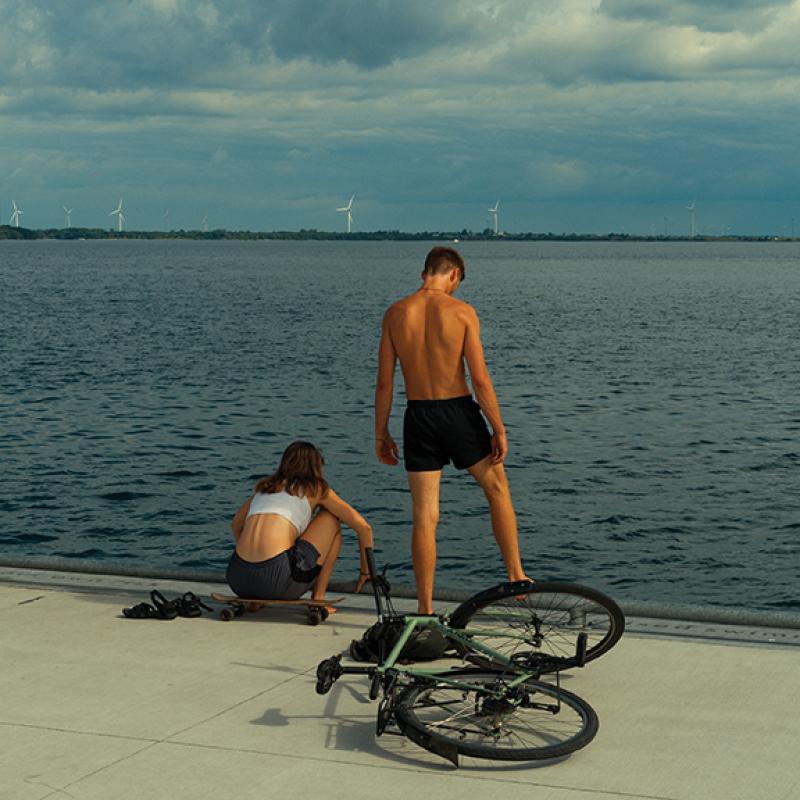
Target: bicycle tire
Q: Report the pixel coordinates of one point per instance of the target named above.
(445, 719)
(547, 621)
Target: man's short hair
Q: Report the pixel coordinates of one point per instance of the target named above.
(443, 259)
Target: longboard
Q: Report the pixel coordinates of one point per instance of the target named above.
(316, 610)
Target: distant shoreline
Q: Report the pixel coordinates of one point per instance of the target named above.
(12, 233)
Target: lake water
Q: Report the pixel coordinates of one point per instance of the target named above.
(650, 392)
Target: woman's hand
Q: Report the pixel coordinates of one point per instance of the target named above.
(363, 578)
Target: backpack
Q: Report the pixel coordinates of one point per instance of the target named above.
(424, 645)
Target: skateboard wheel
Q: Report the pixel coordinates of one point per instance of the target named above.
(314, 616)
(324, 613)
(238, 611)
(226, 615)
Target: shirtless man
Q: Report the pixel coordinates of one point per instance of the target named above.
(432, 334)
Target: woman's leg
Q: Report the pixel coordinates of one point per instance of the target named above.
(325, 533)
(321, 583)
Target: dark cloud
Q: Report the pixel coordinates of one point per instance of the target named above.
(164, 43)
(126, 44)
(367, 33)
(706, 15)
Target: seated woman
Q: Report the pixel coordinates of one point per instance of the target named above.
(281, 552)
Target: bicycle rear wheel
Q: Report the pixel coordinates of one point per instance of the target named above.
(546, 621)
(489, 719)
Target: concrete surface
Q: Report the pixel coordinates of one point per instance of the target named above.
(96, 706)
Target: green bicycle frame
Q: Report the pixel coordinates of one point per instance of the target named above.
(467, 639)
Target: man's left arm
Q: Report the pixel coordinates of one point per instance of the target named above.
(385, 447)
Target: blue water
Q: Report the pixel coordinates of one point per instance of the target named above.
(650, 391)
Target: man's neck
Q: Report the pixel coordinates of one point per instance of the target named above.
(437, 285)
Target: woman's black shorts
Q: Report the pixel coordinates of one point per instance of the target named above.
(287, 576)
(436, 432)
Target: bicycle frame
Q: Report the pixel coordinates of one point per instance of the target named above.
(468, 642)
(413, 624)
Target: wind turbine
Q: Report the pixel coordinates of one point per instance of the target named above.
(120, 215)
(205, 223)
(348, 210)
(165, 217)
(15, 215)
(690, 208)
(68, 216)
(493, 212)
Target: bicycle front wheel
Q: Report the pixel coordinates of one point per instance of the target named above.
(524, 619)
(490, 719)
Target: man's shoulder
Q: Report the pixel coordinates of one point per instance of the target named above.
(405, 304)
(460, 303)
(462, 307)
(396, 307)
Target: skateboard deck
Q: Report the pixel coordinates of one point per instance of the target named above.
(316, 610)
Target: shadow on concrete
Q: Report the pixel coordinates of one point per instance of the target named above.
(356, 733)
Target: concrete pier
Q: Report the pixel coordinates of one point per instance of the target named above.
(94, 706)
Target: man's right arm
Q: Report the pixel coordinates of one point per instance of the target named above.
(482, 384)
(385, 447)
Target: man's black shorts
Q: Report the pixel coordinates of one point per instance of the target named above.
(436, 432)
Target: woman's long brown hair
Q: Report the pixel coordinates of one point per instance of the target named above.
(299, 473)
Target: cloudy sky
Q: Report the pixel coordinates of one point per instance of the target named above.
(579, 115)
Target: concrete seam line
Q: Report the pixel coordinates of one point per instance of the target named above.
(500, 778)
(63, 789)
(153, 742)
(236, 705)
(78, 733)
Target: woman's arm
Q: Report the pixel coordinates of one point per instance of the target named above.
(349, 516)
(345, 513)
(237, 524)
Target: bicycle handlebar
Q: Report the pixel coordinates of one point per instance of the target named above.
(370, 563)
(374, 579)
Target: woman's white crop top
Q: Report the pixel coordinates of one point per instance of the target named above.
(296, 509)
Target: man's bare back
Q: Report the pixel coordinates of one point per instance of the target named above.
(428, 329)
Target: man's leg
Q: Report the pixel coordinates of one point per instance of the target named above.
(425, 509)
(492, 479)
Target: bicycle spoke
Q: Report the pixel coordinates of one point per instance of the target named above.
(549, 622)
(495, 720)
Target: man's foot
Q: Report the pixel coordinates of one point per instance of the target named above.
(521, 597)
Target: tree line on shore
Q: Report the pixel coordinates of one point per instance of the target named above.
(9, 232)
